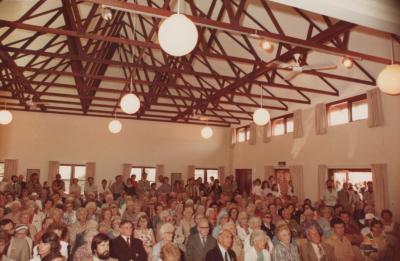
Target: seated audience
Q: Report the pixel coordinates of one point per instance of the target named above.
(42, 223)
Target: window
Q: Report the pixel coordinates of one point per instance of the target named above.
(1, 171)
(356, 177)
(282, 125)
(345, 111)
(71, 171)
(151, 173)
(243, 134)
(206, 174)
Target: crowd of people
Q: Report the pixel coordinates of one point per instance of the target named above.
(197, 221)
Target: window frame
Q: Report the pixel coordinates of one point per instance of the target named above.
(285, 120)
(246, 129)
(349, 102)
(205, 177)
(73, 165)
(144, 168)
(4, 165)
(332, 171)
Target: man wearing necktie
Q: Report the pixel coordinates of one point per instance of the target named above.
(125, 247)
(223, 251)
(200, 243)
(315, 249)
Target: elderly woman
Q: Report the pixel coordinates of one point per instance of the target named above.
(170, 252)
(85, 251)
(284, 249)
(242, 225)
(255, 224)
(167, 232)
(257, 251)
(114, 232)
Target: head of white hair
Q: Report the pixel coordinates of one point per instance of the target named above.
(256, 235)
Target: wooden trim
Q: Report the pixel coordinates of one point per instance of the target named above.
(349, 102)
(350, 99)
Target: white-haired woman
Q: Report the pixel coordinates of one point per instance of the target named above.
(167, 232)
(257, 251)
(285, 249)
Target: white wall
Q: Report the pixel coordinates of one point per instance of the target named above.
(349, 145)
(36, 138)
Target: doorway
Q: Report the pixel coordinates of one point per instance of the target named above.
(244, 180)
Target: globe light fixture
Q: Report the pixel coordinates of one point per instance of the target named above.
(266, 45)
(261, 115)
(177, 34)
(389, 78)
(347, 62)
(115, 126)
(206, 132)
(130, 103)
(5, 117)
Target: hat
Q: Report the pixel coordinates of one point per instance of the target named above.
(369, 216)
(21, 227)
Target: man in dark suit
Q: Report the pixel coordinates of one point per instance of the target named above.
(222, 251)
(314, 249)
(125, 247)
(200, 243)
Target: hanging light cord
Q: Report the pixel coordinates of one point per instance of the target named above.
(261, 95)
(392, 49)
(179, 7)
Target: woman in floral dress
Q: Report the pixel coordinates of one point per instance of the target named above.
(146, 234)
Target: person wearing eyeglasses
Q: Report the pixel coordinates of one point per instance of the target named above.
(167, 232)
(223, 251)
(200, 243)
(267, 226)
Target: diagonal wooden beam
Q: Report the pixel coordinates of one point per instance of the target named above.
(75, 48)
(322, 37)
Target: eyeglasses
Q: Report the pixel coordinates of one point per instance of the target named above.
(204, 227)
(268, 217)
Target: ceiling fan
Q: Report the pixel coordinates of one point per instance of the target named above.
(34, 104)
(297, 68)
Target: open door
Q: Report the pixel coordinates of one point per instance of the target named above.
(244, 181)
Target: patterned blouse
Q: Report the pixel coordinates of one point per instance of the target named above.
(281, 252)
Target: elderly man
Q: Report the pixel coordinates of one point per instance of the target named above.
(343, 250)
(200, 243)
(314, 249)
(223, 251)
(125, 247)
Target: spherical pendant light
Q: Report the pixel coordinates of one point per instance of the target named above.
(206, 132)
(177, 35)
(266, 45)
(261, 116)
(115, 126)
(389, 79)
(130, 103)
(5, 117)
(347, 62)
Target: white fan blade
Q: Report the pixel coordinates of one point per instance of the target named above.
(291, 75)
(284, 65)
(324, 66)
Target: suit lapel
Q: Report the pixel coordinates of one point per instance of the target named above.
(311, 251)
